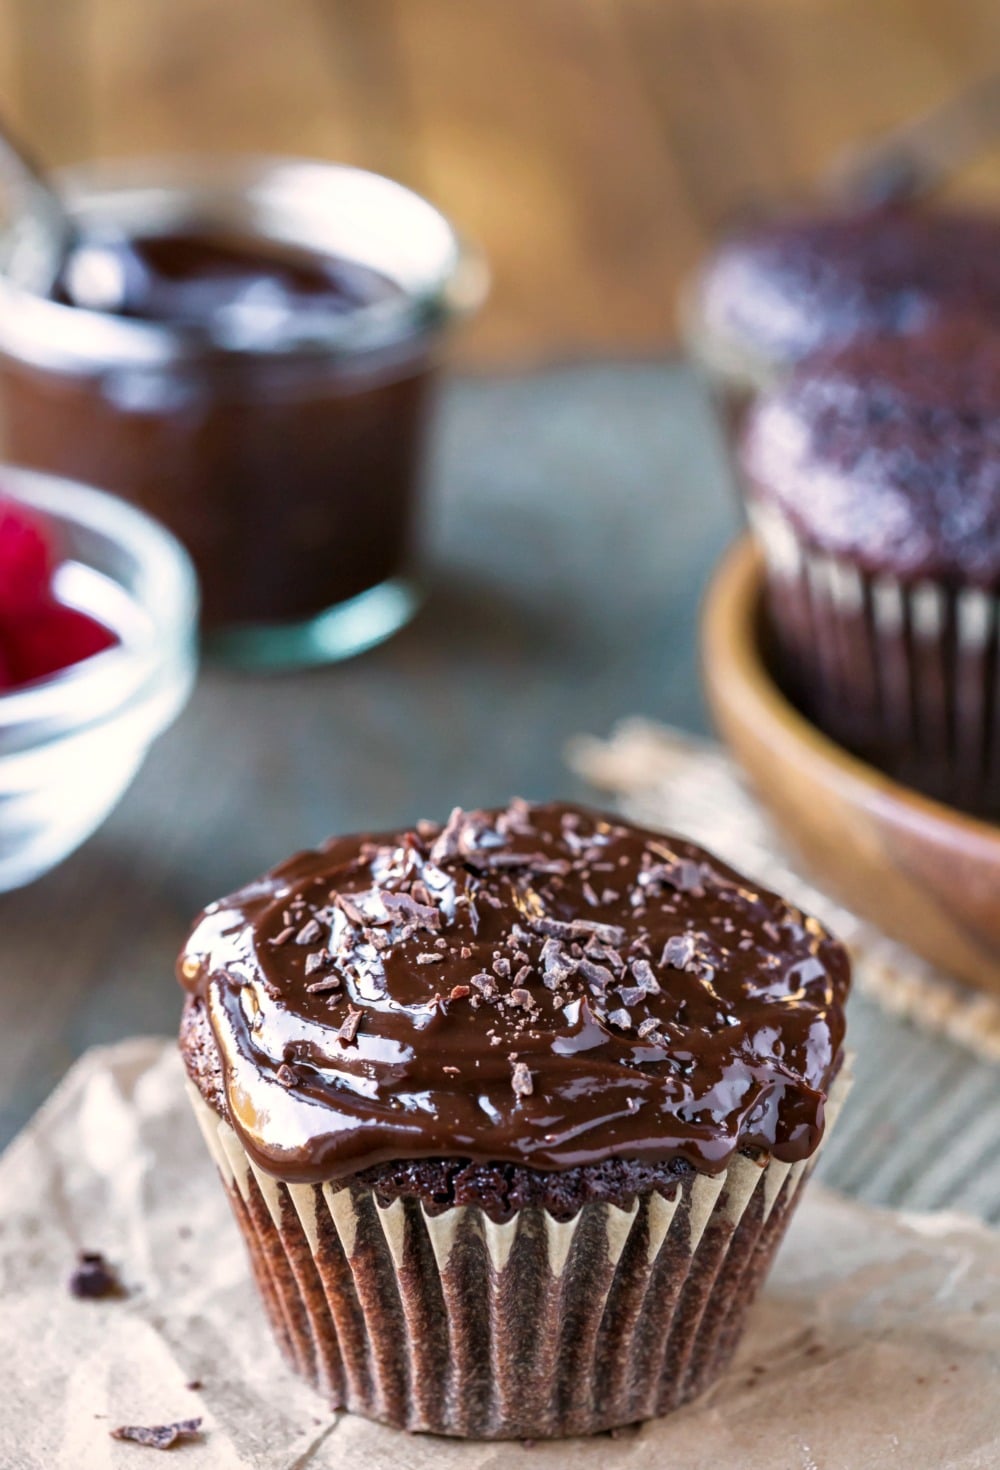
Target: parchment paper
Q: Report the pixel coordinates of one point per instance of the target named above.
(877, 1342)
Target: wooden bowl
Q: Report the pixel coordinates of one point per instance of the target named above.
(922, 872)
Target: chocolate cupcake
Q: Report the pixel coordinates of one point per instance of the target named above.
(780, 291)
(873, 479)
(512, 1113)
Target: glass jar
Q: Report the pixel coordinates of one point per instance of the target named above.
(282, 446)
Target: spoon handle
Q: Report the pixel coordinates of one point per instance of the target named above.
(41, 233)
(919, 156)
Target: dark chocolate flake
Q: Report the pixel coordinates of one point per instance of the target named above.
(521, 1081)
(287, 1076)
(328, 982)
(620, 1018)
(522, 998)
(310, 933)
(642, 970)
(348, 1029)
(679, 951)
(159, 1436)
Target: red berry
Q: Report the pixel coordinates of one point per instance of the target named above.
(26, 560)
(51, 639)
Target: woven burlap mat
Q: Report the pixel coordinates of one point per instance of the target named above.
(664, 778)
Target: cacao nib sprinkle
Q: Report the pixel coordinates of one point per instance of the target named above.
(452, 1071)
(94, 1278)
(590, 895)
(647, 1027)
(620, 1018)
(317, 961)
(459, 992)
(521, 1081)
(609, 896)
(159, 1436)
(522, 998)
(429, 958)
(501, 967)
(632, 995)
(286, 934)
(287, 1076)
(486, 985)
(523, 975)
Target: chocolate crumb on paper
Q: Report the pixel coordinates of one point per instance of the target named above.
(159, 1436)
(94, 1278)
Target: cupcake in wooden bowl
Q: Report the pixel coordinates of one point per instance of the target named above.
(872, 479)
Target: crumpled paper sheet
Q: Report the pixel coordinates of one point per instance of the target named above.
(876, 1343)
(670, 779)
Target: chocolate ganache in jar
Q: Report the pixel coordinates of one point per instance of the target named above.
(261, 384)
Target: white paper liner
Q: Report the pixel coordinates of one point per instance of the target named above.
(904, 673)
(532, 1328)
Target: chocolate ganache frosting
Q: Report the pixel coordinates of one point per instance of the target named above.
(541, 985)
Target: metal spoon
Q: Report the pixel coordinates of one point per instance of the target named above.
(46, 246)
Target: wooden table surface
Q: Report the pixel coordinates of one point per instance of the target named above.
(576, 515)
(593, 146)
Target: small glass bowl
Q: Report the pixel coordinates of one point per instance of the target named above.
(70, 744)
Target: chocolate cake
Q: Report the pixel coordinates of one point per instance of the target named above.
(873, 478)
(512, 1112)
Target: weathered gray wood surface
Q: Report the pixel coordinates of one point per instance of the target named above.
(576, 515)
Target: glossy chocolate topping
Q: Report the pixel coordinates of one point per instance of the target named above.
(540, 985)
(788, 287)
(887, 453)
(212, 280)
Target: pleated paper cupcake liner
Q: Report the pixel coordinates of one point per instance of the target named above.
(906, 675)
(534, 1328)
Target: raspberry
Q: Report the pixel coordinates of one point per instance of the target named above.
(26, 561)
(51, 639)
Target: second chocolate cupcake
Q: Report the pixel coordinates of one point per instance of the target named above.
(512, 1113)
(873, 479)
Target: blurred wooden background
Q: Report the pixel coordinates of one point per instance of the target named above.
(593, 146)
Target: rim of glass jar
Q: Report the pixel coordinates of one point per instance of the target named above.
(442, 275)
(103, 687)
